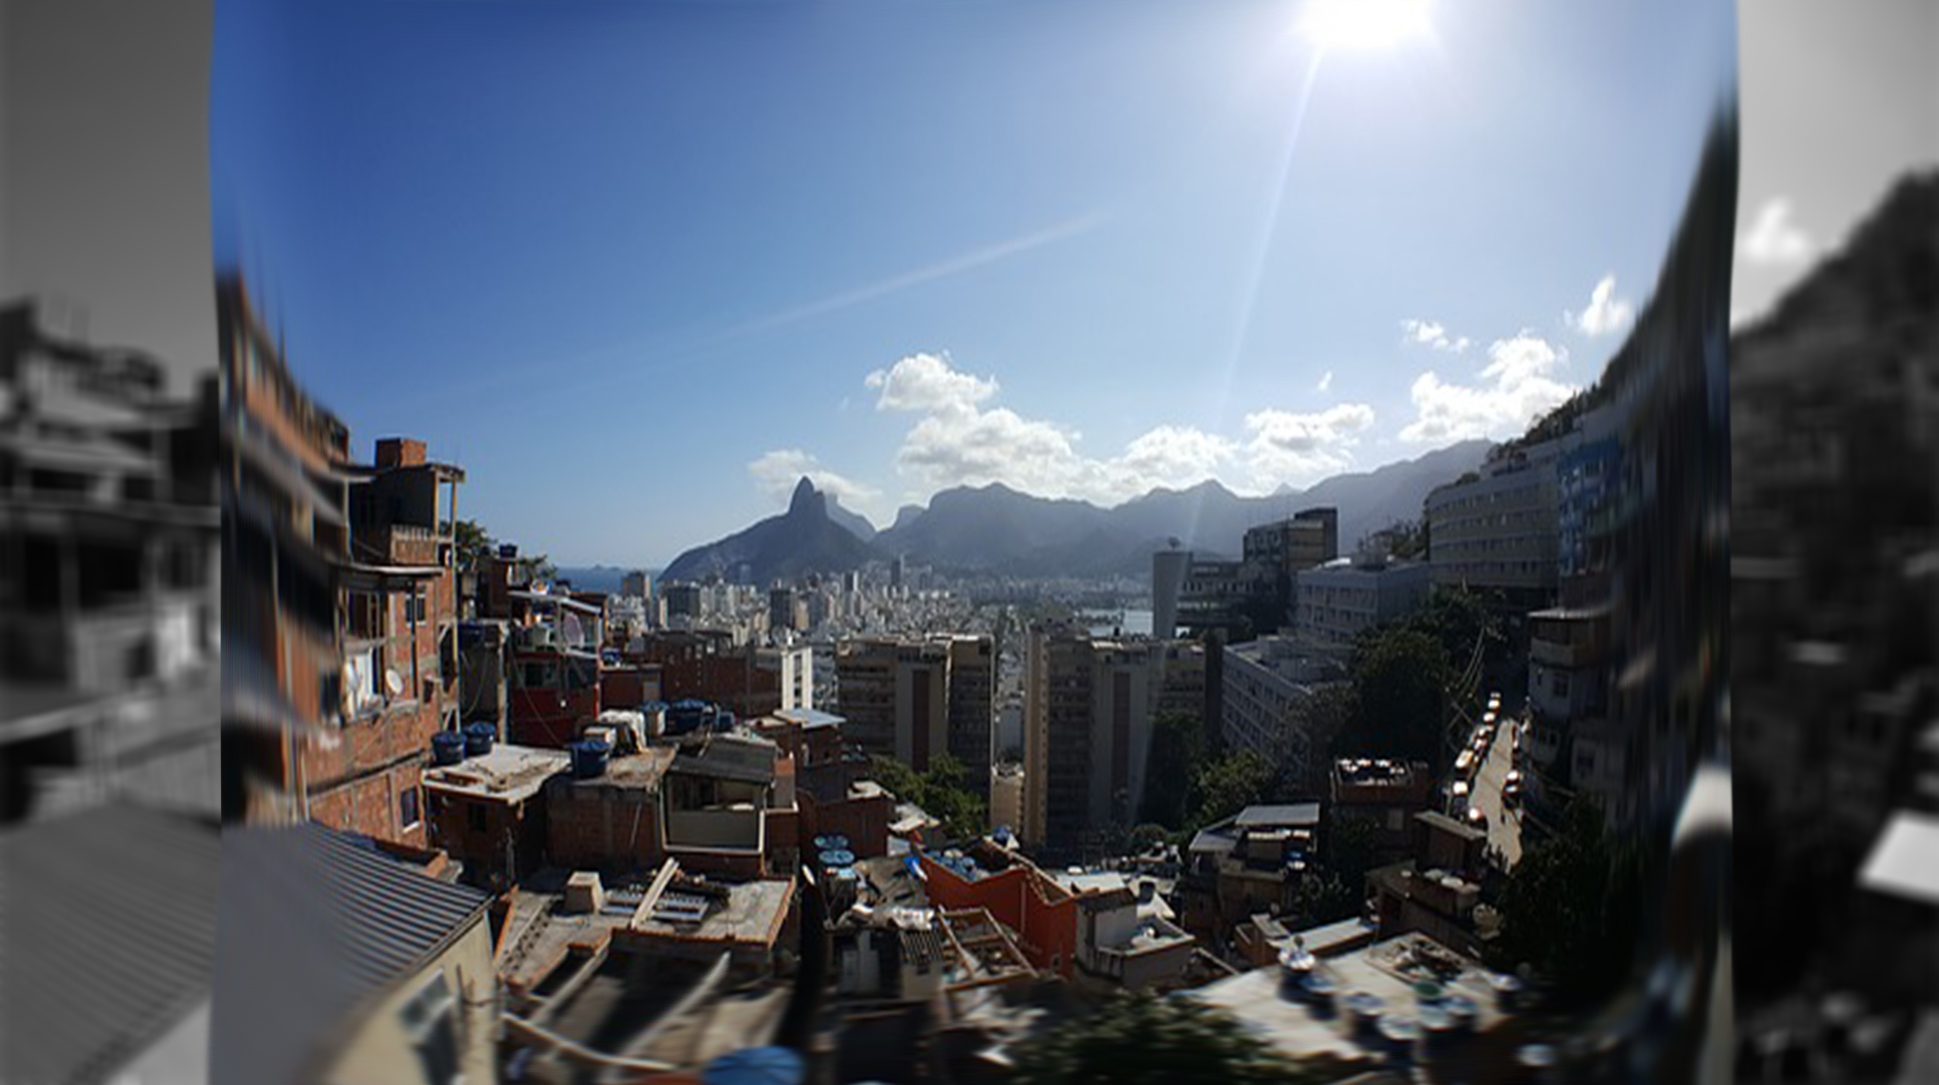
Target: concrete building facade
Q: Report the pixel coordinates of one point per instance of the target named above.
(1338, 601)
(1268, 684)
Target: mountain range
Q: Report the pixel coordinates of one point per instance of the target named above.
(999, 530)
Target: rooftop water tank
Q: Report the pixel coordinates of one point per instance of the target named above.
(756, 1066)
(589, 758)
(479, 738)
(447, 748)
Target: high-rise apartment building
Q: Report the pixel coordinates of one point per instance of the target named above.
(972, 707)
(782, 608)
(917, 699)
(1088, 706)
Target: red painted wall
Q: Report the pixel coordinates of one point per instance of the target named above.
(1021, 899)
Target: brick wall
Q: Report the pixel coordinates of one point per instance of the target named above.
(482, 846)
(602, 828)
(371, 806)
(865, 822)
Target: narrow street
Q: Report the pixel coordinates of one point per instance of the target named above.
(1504, 823)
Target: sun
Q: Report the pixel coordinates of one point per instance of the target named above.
(1363, 24)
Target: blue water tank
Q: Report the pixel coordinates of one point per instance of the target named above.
(479, 738)
(688, 716)
(589, 758)
(756, 1066)
(447, 748)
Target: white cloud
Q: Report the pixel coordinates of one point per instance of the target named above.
(1517, 386)
(1773, 239)
(1288, 447)
(1432, 334)
(778, 471)
(927, 382)
(1326, 381)
(1606, 312)
(958, 442)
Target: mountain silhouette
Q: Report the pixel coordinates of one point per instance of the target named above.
(803, 540)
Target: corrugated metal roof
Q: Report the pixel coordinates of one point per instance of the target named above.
(314, 922)
(1298, 813)
(107, 933)
(727, 758)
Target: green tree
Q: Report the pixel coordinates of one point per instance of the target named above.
(1229, 784)
(1135, 1039)
(542, 568)
(1350, 848)
(1572, 907)
(1178, 748)
(473, 541)
(1456, 618)
(1147, 836)
(1329, 712)
(939, 791)
(1326, 897)
(1400, 677)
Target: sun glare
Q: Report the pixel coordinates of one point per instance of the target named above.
(1363, 24)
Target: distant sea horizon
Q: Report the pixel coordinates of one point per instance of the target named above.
(1129, 622)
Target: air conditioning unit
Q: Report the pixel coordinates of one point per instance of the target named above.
(539, 636)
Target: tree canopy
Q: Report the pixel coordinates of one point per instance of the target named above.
(1135, 1039)
(1178, 748)
(939, 791)
(1574, 903)
(1400, 677)
(472, 540)
(1228, 784)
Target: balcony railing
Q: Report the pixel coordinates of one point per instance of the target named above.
(400, 544)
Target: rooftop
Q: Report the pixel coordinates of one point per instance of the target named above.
(116, 917)
(810, 717)
(1437, 820)
(642, 770)
(1905, 861)
(727, 757)
(508, 772)
(1389, 971)
(750, 913)
(1341, 937)
(313, 922)
(1370, 772)
(1291, 815)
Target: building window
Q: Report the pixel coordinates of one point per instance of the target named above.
(430, 1020)
(407, 815)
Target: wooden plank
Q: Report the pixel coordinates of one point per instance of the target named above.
(653, 893)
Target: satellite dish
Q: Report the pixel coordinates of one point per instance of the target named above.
(393, 681)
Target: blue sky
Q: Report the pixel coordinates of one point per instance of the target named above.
(639, 266)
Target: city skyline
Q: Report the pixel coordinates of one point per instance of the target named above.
(739, 254)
